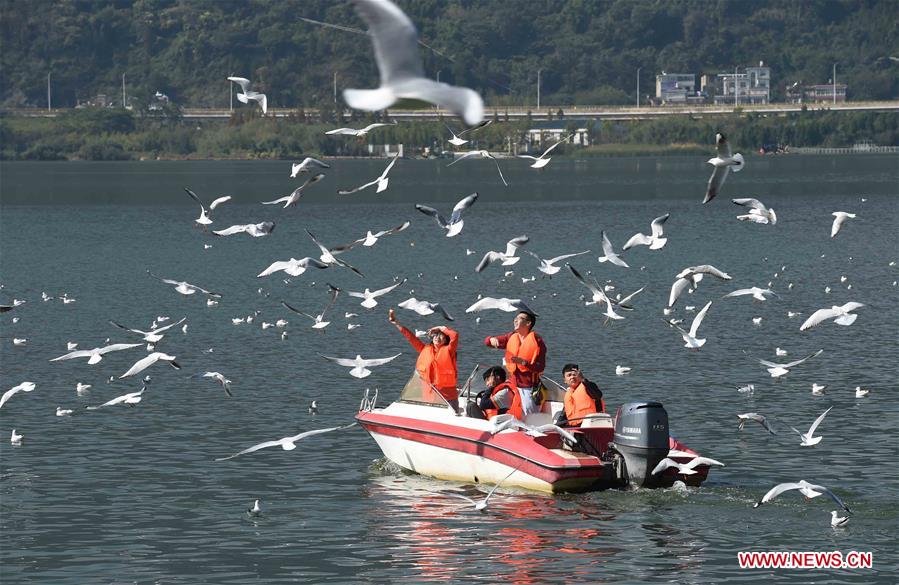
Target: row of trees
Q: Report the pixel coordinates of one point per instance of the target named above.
(109, 134)
(587, 51)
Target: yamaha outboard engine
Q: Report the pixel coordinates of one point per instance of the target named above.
(641, 437)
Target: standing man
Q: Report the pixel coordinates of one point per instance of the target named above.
(436, 362)
(582, 398)
(525, 357)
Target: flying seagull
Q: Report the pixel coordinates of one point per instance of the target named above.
(358, 133)
(295, 195)
(382, 181)
(723, 164)
(424, 308)
(23, 387)
(508, 257)
(688, 468)
(548, 267)
(204, 220)
(457, 139)
(808, 439)
(759, 294)
(599, 296)
(502, 304)
(655, 241)
(130, 399)
(360, 365)
(95, 354)
(839, 218)
(481, 154)
(481, 505)
(690, 277)
(306, 166)
(842, 315)
(758, 212)
(142, 364)
(369, 297)
(153, 335)
(371, 239)
(329, 256)
(257, 230)
(809, 490)
(293, 266)
(220, 378)
(778, 370)
(287, 443)
(690, 337)
(542, 160)
(395, 42)
(609, 253)
(455, 223)
(245, 95)
(318, 321)
(185, 288)
(759, 418)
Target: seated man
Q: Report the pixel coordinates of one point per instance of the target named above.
(500, 397)
(582, 398)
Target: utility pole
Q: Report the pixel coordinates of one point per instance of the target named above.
(49, 107)
(736, 88)
(638, 86)
(538, 88)
(230, 95)
(335, 88)
(834, 83)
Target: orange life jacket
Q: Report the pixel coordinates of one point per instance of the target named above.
(514, 408)
(439, 367)
(528, 350)
(579, 403)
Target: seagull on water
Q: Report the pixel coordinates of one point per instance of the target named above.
(81, 389)
(690, 339)
(481, 154)
(655, 241)
(542, 160)
(255, 510)
(395, 43)
(23, 387)
(723, 164)
(808, 439)
(313, 407)
(360, 133)
(609, 253)
(16, 438)
(508, 258)
(859, 392)
(688, 468)
(306, 166)
(455, 223)
(186, 288)
(293, 266)
(457, 139)
(809, 490)
(839, 218)
(758, 213)
(842, 315)
(287, 443)
(778, 370)
(818, 389)
(622, 370)
(295, 195)
(204, 220)
(130, 399)
(424, 308)
(759, 418)
(96, 354)
(369, 297)
(245, 95)
(152, 336)
(502, 304)
(60, 411)
(836, 520)
(257, 230)
(382, 181)
(318, 321)
(220, 378)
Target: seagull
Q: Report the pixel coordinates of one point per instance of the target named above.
(204, 220)
(19, 341)
(329, 257)
(60, 411)
(402, 75)
(359, 365)
(23, 387)
(257, 230)
(305, 166)
(313, 407)
(622, 370)
(424, 308)
(842, 315)
(318, 320)
(186, 288)
(287, 443)
(759, 294)
(245, 95)
(688, 468)
(457, 139)
(723, 164)
(747, 389)
(690, 277)
(370, 296)
(609, 253)
(809, 490)
(360, 133)
(295, 195)
(130, 399)
(690, 339)
(502, 304)
(836, 520)
(859, 392)
(542, 160)
(15, 438)
(508, 257)
(757, 321)
(778, 370)
(759, 418)
(81, 389)
(220, 378)
(808, 439)
(818, 389)
(840, 218)
(382, 181)
(255, 510)
(481, 154)
(655, 241)
(599, 296)
(293, 266)
(95, 354)
(481, 505)
(152, 336)
(455, 223)
(758, 213)
(142, 364)
(371, 239)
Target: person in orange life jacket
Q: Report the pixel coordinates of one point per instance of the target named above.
(500, 397)
(436, 362)
(525, 357)
(582, 397)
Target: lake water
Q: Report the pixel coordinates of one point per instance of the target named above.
(133, 495)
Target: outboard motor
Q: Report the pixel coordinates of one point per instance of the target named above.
(641, 437)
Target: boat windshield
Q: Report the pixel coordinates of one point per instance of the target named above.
(418, 391)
